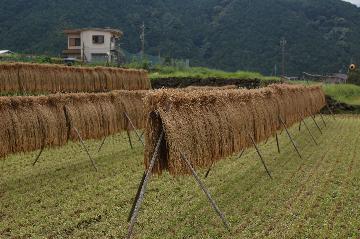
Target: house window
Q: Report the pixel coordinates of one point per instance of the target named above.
(98, 39)
(74, 42)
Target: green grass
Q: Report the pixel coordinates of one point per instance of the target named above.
(314, 197)
(202, 72)
(348, 93)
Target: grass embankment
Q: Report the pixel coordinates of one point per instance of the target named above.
(348, 93)
(202, 72)
(314, 197)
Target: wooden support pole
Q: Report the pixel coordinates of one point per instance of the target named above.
(289, 135)
(208, 171)
(313, 118)
(277, 142)
(266, 141)
(86, 149)
(102, 144)
(133, 126)
(143, 187)
(241, 153)
(129, 138)
(308, 129)
(323, 120)
(260, 155)
(329, 109)
(136, 197)
(300, 125)
(207, 193)
(38, 156)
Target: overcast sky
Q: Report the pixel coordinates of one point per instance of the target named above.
(357, 2)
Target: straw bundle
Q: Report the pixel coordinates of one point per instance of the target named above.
(38, 78)
(210, 125)
(30, 123)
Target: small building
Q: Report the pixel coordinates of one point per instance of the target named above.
(6, 52)
(92, 44)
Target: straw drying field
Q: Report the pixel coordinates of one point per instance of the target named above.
(62, 196)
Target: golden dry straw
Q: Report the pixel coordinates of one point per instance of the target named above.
(30, 123)
(208, 126)
(41, 78)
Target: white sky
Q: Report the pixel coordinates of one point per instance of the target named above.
(357, 2)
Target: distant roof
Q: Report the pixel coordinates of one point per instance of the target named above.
(341, 76)
(116, 32)
(6, 52)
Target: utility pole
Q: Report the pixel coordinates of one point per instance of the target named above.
(283, 43)
(142, 38)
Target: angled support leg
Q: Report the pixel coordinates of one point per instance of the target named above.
(86, 149)
(308, 129)
(277, 142)
(133, 126)
(323, 120)
(300, 126)
(143, 186)
(289, 135)
(136, 197)
(313, 118)
(260, 155)
(206, 191)
(329, 109)
(102, 144)
(38, 156)
(208, 172)
(241, 153)
(129, 138)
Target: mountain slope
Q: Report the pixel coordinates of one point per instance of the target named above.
(322, 35)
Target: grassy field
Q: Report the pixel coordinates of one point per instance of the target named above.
(348, 93)
(314, 197)
(202, 72)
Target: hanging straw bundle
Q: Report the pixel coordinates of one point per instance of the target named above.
(41, 78)
(30, 123)
(210, 125)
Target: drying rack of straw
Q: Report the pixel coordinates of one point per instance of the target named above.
(41, 78)
(37, 122)
(186, 130)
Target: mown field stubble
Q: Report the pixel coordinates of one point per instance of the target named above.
(314, 197)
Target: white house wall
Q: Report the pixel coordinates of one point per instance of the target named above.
(90, 48)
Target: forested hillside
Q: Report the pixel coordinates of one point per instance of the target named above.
(322, 35)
